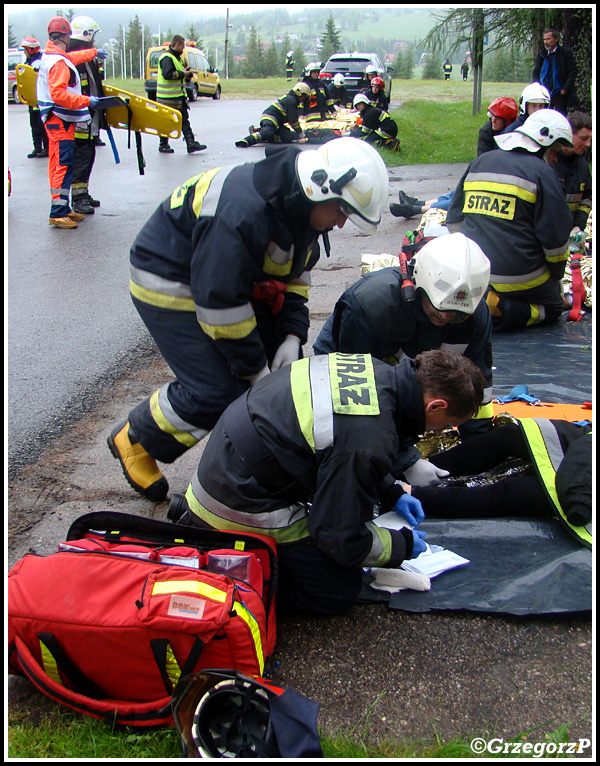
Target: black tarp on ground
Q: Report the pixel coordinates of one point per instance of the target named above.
(555, 362)
(517, 567)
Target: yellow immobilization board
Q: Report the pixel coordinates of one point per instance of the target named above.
(138, 113)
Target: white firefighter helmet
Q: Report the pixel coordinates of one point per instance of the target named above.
(84, 28)
(360, 98)
(348, 170)
(339, 80)
(535, 93)
(290, 53)
(540, 130)
(370, 69)
(314, 66)
(453, 271)
(301, 89)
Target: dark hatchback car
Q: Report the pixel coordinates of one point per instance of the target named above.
(352, 66)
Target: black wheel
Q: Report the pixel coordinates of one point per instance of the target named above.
(217, 93)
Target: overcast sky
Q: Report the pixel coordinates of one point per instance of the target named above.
(211, 9)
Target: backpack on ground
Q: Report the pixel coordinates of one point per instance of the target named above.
(128, 606)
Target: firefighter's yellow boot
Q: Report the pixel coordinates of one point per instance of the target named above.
(140, 468)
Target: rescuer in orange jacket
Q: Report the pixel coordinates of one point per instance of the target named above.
(61, 106)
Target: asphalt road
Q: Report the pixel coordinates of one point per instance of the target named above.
(71, 323)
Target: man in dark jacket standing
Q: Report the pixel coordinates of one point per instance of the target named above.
(555, 68)
(84, 33)
(33, 55)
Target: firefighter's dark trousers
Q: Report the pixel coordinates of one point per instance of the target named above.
(179, 414)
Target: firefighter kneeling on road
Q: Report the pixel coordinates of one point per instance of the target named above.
(276, 117)
(445, 309)
(220, 275)
(306, 456)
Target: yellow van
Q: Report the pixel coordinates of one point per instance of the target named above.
(205, 81)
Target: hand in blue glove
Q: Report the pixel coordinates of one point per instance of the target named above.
(94, 101)
(419, 544)
(101, 54)
(410, 509)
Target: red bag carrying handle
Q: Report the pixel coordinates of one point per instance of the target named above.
(155, 713)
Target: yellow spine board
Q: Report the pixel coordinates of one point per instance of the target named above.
(146, 116)
(27, 84)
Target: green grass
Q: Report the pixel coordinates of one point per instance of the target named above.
(61, 733)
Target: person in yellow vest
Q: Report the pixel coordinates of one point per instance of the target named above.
(558, 483)
(173, 75)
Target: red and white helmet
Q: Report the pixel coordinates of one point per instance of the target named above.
(377, 81)
(30, 43)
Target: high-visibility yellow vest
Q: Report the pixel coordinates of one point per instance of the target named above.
(170, 88)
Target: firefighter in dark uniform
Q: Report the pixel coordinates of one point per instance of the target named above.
(338, 93)
(276, 118)
(220, 275)
(306, 455)
(377, 127)
(559, 487)
(33, 56)
(289, 65)
(319, 105)
(172, 76)
(511, 203)
(502, 112)
(451, 276)
(573, 170)
(376, 94)
(85, 30)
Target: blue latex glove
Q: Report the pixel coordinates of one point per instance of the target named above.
(101, 54)
(419, 544)
(410, 509)
(94, 102)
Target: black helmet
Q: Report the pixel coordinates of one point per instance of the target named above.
(226, 714)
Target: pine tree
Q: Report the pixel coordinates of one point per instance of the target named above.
(254, 54)
(330, 40)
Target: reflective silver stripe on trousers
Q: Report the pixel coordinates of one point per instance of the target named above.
(551, 442)
(177, 422)
(320, 386)
(159, 284)
(223, 317)
(282, 518)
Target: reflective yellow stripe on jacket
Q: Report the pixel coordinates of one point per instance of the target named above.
(547, 454)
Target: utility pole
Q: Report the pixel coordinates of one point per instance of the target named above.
(227, 45)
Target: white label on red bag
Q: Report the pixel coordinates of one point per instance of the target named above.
(186, 606)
